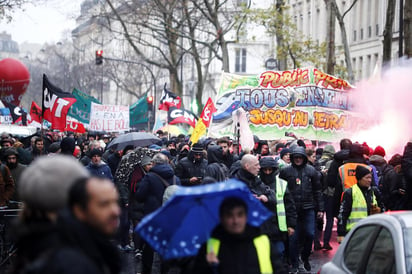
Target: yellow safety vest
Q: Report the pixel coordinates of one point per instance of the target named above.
(280, 205)
(262, 245)
(359, 207)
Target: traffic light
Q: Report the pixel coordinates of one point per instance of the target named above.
(149, 103)
(99, 57)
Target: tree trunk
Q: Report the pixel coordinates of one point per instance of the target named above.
(387, 33)
(281, 47)
(330, 38)
(344, 37)
(407, 22)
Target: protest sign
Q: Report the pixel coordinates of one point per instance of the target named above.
(307, 102)
(109, 118)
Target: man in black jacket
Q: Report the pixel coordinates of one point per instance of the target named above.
(150, 192)
(282, 224)
(236, 247)
(304, 185)
(191, 169)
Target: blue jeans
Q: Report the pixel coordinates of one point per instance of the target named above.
(305, 227)
(279, 248)
(330, 211)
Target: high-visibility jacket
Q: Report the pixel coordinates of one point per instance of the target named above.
(359, 207)
(280, 205)
(347, 174)
(262, 245)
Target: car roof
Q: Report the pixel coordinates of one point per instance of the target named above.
(404, 217)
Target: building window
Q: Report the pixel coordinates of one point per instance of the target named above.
(354, 35)
(369, 32)
(377, 29)
(361, 34)
(240, 62)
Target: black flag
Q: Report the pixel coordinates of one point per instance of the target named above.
(17, 113)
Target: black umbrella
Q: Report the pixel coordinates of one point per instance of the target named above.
(137, 139)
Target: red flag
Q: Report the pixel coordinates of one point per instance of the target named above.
(207, 112)
(35, 112)
(168, 100)
(75, 127)
(56, 104)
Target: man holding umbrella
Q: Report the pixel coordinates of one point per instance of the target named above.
(235, 246)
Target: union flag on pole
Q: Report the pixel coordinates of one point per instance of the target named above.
(55, 104)
(169, 99)
(204, 121)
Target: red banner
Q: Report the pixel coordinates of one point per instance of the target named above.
(75, 127)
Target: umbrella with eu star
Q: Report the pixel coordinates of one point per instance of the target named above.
(185, 222)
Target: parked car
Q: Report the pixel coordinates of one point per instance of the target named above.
(380, 243)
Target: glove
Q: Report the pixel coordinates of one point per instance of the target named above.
(375, 209)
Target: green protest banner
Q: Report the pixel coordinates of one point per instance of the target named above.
(80, 110)
(306, 102)
(139, 112)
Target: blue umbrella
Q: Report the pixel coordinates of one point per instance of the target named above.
(184, 223)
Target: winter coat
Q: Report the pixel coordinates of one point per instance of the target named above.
(407, 162)
(271, 226)
(303, 183)
(152, 188)
(113, 162)
(16, 173)
(256, 186)
(237, 254)
(44, 247)
(102, 170)
(188, 168)
(346, 206)
(7, 187)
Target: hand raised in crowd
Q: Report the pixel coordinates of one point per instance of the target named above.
(291, 231)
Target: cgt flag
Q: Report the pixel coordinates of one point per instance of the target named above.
(169, 99)
(56, 104)
(203, 122)
(17, 113)
(181, 116)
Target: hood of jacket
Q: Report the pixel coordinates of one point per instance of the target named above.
(377, 160)
(214, 154)
(164, 170)
(299, 151)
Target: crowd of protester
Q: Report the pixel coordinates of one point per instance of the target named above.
(72, 202)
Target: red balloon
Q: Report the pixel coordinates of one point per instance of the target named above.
(14, 80)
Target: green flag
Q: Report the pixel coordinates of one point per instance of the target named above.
(139, 112)
(80, 110)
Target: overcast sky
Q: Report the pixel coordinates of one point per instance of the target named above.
(42, 23)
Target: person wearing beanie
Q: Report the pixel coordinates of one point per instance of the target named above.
(283, 222)
(44, 188)
(11, 157)
(358, 202)
(54, 148)
(97, 167)
(379, 151)
(67, 146)
(191, 169)
(284, 159)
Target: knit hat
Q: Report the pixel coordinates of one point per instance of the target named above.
(284, 151)
(361, 172)
(197, 148)
(68, 145)
(146, 160)
(268, 162)
(11, 151)
(95, 151)
(44, 185)
(379, 151)
(54, 147)
(329, 149)
(395, 160)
